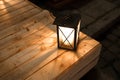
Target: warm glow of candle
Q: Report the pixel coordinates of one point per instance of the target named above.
(66, 36)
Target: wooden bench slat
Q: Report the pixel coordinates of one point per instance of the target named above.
(15, 13)
(81, 73)
(22, 44)
(46, 53)
(13, 8)
(27, 49)
(18, 19)
(24, 31)
(15, 39)
(9, 3)
(2, 1)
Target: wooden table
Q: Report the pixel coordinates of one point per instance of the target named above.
(28, 48)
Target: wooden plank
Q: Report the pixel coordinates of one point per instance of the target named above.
(47, 51)
(18, 19)
(5, 2)
(19, 36)
(15, 13)
(85, 69)
(8, 3)
(70, 72)
(27, 49)
(55, 68)
(24, 31)
(2, 1)
(13, 8)
(22, 44)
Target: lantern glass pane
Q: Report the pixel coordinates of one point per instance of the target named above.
(66, 37)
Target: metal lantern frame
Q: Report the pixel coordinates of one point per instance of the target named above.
(71, 21)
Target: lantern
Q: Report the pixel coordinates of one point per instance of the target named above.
(68, 27)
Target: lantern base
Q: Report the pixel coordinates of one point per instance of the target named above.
(72, 49)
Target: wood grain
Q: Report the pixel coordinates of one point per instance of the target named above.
(13, 8)
(57, 68)
(28, 46)
(49, 49)
(9, 3)
(83, 71)
(18, 19)
(17, 12)
(22, 33)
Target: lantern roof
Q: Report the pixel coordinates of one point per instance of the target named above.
(68, 20)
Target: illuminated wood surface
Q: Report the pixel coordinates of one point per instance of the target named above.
(28, 48)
